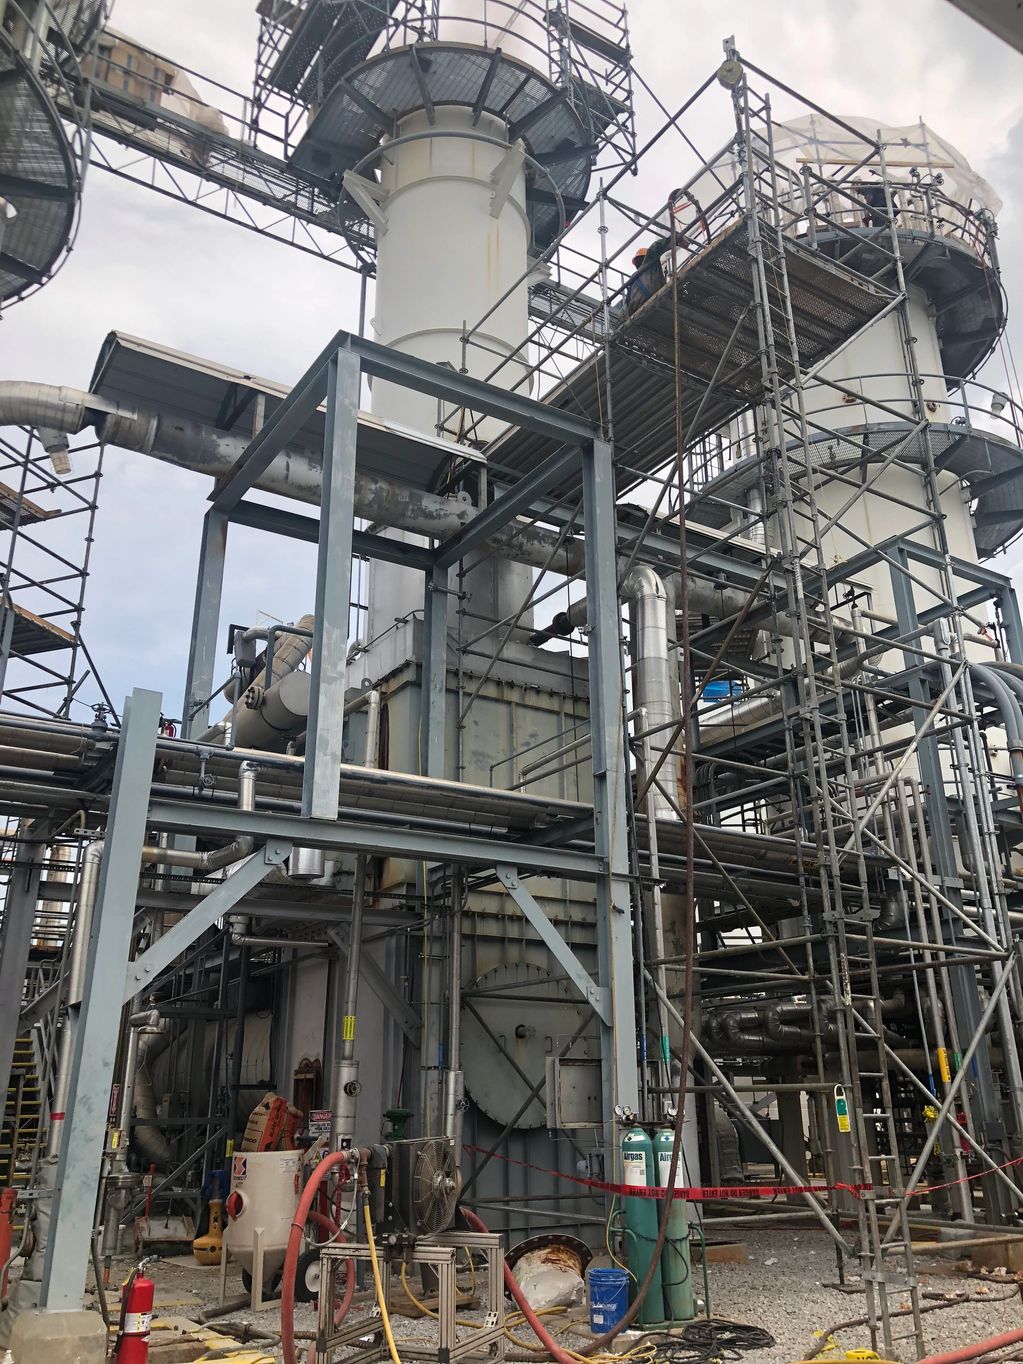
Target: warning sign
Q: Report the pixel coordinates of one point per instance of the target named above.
(319, 1122)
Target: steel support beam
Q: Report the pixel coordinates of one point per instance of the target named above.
(144, 970)
(333, 590)
(277, 521)
(462, 390)
(389, 840)
(616, 967)
(81, 1154)
(433, 697)
(202, 652)
(519, 498)
(596, 996)
(287, 420)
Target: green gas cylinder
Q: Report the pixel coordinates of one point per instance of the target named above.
(641, 1221)
(676, 1268)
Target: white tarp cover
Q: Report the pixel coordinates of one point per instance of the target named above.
(828, 147)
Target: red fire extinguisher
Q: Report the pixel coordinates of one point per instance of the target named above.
(132, 1343)
(8, 1198)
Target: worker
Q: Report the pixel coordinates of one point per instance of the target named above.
(877, 202)
(649, 276)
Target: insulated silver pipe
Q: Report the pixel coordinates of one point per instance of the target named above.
(294, 473)
(655, 680)
(345, 1083)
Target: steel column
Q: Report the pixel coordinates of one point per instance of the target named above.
(16, 938)
(616, 967)
(433, 699)
(78, 1170)
(962, 979)
(1008, 606)
(202, 651)
(333, 590)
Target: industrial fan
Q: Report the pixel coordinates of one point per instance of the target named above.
(423, 1184)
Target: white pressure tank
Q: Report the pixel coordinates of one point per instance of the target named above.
(265, 1187)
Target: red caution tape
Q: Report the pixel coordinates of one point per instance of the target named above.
(968, 1179)
(694, 1193)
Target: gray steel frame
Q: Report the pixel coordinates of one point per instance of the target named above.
(336, 376)
(110, 979)
(438, 1253)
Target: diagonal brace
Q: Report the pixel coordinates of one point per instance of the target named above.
(145, 969)
(597, 996)
(376, 978)
(505, 508)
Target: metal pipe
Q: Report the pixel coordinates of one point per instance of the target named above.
(345, 1085)
(1005, 696)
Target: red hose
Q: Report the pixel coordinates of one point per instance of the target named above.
(512, 1284)
(982, 1347)
(303, 1214)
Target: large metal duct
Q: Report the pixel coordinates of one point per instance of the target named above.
(294, 473)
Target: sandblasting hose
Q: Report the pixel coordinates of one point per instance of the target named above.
(982, 1347)
(303, 1214)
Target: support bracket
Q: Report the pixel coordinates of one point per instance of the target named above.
(597, 996)
(370, 197)
(504, 175)
(404, 1015)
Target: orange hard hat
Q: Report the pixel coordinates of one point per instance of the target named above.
(639, 255)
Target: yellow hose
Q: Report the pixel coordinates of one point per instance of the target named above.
(381, 1301)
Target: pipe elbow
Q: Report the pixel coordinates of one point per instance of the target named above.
(643, 581)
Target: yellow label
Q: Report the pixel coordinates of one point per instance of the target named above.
(844, 1124)
(115, 1138)
(943, 1066)
(348, 1028)
(383, 1178)
(229, 1148)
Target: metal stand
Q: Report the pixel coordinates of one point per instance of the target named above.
(455, 1341)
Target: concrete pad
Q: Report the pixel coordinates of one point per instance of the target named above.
(59, 1338)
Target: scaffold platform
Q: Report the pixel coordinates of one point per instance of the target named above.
(706, 319)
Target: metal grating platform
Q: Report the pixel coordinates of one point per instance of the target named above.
(362, 106)
(38, 178)
(991, 467)
(35, 635)
(328, 38)
(30, 512)
(715, 297)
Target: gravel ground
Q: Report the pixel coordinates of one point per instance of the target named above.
(785, 1288)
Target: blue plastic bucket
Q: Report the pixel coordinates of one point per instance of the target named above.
(609, 1297)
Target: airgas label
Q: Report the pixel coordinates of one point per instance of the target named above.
(634, 1167)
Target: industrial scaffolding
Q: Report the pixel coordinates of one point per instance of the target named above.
(816, 835)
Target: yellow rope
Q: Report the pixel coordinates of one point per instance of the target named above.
(643, 1353)
(381, 1300)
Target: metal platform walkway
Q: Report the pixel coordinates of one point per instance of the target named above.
(710, 307)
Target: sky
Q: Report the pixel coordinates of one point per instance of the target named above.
(153, 268)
